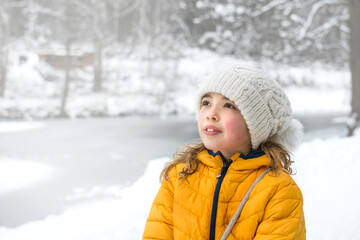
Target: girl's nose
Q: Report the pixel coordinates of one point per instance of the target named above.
(213, 115)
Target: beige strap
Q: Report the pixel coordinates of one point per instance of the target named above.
(241, 206)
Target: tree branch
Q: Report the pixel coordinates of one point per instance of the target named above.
(315, 8)
(266, 8)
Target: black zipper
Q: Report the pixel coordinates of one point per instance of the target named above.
(216, 196)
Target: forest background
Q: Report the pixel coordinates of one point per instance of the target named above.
(146, 57)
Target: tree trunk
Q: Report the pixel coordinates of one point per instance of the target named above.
(98, 12)
(68, 43)
(354, 22)
(4, 32)
(116, 22)
(3, 72)
(97, 66)
(67, 79)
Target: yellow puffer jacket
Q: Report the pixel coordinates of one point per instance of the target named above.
(203, 207)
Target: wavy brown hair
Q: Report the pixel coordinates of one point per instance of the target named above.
(280, 159)
(188, 155)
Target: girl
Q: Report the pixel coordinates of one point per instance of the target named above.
(236, 183)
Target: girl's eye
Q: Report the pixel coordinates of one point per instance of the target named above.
(205, 103)
(228, 105)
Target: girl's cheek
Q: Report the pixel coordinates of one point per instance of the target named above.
(200, 118)
(202, 114)
(231, 124)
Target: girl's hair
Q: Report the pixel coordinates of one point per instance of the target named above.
(280, 159)
(188, 155)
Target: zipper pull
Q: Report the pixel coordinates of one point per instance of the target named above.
(223, 169)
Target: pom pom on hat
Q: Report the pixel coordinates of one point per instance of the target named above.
(292, 137)
(263, 104)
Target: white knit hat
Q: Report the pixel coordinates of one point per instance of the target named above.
(263, 104)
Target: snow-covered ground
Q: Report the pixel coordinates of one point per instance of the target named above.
(17, 174)
(328, 176)
(7, 127)
(121, 216)
(326, 173)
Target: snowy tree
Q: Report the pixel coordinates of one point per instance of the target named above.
(163, 34)
(161, 30)
(122, 14)
(62, 23)
(171, 37)
(69, 29)
(148, 26)
(4, 35)
(354, 6)
(98, 10)
(285, 31)
(39, 24)
(104, 26)
(9, 23)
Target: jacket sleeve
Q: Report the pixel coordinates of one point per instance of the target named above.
(284, 216)
(159, 224)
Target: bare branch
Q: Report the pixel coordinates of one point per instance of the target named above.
(4, 17)
(315, 8)
(267, 7)
(182, 25)
(326, 26)
(128, 10)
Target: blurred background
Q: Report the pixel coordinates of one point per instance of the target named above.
(95, 96)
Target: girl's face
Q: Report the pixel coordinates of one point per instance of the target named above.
(222, 127)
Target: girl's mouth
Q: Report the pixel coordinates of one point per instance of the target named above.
(211, 130)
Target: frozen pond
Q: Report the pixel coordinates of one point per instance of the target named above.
(83, 153)
(79, 154)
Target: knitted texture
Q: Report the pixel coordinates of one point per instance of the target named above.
(263, 104)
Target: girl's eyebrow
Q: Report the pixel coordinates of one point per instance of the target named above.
(207, 95)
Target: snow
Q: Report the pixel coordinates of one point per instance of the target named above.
(328, 176)
(57, 49)
(310, 100)
(326, 173)
(8, 127)
(17, 174)
(121, 216)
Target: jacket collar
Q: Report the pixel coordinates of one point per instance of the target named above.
(253, 154)
(253, 160)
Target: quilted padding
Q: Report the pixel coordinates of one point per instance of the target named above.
(183, 210)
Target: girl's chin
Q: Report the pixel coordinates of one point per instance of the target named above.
(212, 148)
